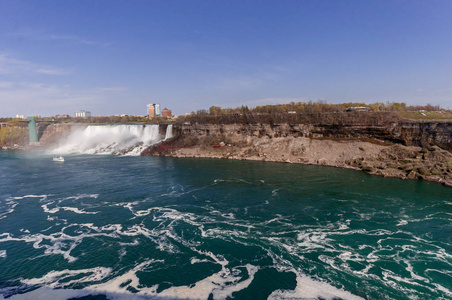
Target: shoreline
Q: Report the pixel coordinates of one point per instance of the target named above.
(431, 164)
(404, 151)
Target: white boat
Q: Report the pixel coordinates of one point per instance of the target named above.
(58, 158)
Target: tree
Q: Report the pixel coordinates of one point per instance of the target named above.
(215, 110)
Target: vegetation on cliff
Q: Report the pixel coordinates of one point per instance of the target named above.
(13, 135)
(318, 113)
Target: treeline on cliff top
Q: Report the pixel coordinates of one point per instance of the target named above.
(315, 113)
(97, 120)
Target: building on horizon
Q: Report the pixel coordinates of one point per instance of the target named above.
(62, 116)
(21, 117)
(167, 113)
(357, 109)
(153, 110)
(82, 114)
(157, 109)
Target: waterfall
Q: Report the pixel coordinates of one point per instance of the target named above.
(109, 139)
(169, 131)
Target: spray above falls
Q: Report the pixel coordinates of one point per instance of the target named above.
(111, 139)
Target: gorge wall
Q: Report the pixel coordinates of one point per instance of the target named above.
(408, 133)
(421, 134)
(408, 150)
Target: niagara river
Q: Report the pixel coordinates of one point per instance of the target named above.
(131, 227)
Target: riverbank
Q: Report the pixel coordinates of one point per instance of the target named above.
(406, 150)
(382, 157)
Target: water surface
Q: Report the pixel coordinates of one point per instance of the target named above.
(166, 228)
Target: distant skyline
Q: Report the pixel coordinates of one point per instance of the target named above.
(115, 57)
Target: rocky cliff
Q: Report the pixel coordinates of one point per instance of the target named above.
(421, 134)
(408, 150)
(49, 134)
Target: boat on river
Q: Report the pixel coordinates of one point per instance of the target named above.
(58, 158)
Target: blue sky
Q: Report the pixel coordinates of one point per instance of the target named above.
(113, 57)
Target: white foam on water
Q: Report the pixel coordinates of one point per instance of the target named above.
(32, 196)
(134, 243)
(345, 225)
(12, 202)
(59, 243)
(402, 223)
(229, 216)
(275, 192)
(109, 139)
(46, 293)
(59, 279)
(76, 210)
(394, 280)
(312, 239)
(321, 238)
(231, 180)
(122, 283)
(278, 218)
(58, 208)
(141, 213)
(9, 211)
(81, 196)
(221, 285)
(308, 288)
(413, 275)
(195, 260)
(443, 289)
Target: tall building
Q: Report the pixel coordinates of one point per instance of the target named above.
(82, 114)
(157, 109)
(153, 110)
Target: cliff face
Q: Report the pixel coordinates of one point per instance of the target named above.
(421, 134)
(411, 150)
(50, 134)
(408, 150)
(425, 134)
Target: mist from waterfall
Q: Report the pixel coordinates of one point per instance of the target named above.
(110, 139)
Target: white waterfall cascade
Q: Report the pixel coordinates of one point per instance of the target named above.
(169, 131)
(111, 139)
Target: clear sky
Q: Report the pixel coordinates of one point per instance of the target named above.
(114, 57)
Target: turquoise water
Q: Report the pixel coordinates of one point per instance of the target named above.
(166, 228)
